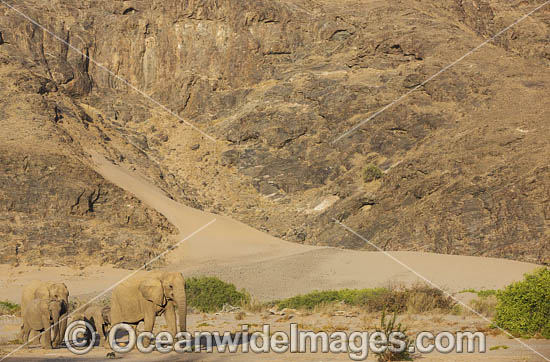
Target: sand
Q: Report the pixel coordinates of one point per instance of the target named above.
(272, 268)
(269, 268)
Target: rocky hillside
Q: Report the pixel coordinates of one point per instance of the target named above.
(275, 82)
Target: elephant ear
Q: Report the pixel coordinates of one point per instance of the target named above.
(151, 289)
(42, 292)
(44, 306)
(65, 287)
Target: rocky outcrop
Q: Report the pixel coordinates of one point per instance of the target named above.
(276, 82)
(54, 208)
(58, 211)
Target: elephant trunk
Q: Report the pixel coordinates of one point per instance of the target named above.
(62, 325)
(181, 301)
(56, 328)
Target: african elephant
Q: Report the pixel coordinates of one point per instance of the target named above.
(147, 295)
(48, 290)
(42, 315)
(99, 318)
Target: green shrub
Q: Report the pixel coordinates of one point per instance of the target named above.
(9, 308)
(389, 327)
(372, 172)
(374, 299)
(481, 293)
(419, 298)
(209, 294)
(524, 307)
(487, 293)
(310, 300)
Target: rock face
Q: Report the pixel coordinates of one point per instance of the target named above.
(56, 210)
(276, 83)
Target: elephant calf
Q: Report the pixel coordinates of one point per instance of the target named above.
(42, 315)
(99, 318)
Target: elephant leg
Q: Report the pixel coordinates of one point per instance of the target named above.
(101, 331)
(89, 334)
(170, 316)
(60, 335)
(47, 336)
(46, 341)
(106, 344)
(149, 321)
(115, 319)
(34, 337)
(101, 335)
(25, 334)
(98, 324)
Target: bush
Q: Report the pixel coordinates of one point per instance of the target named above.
(417, 299)
(524, 307)
(374, 299)
(209, 294)
(9, 308)
(310, 300)
(371, 173)
(389, 327)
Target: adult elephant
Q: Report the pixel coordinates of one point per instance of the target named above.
(46, 291)
(147, 295)
(42, 315)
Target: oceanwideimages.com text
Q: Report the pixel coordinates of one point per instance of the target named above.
(357, 344)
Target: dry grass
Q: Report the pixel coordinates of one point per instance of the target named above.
(485, 306)
(240, 316)
(252, 305)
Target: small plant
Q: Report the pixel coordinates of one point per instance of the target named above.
(209, 294)
(524, 307)
(388, 327)
(372, 172)
(9, 308)
(481, 293)
(487, 293)
(494, 348)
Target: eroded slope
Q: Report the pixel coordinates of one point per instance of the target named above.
(276, 82)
